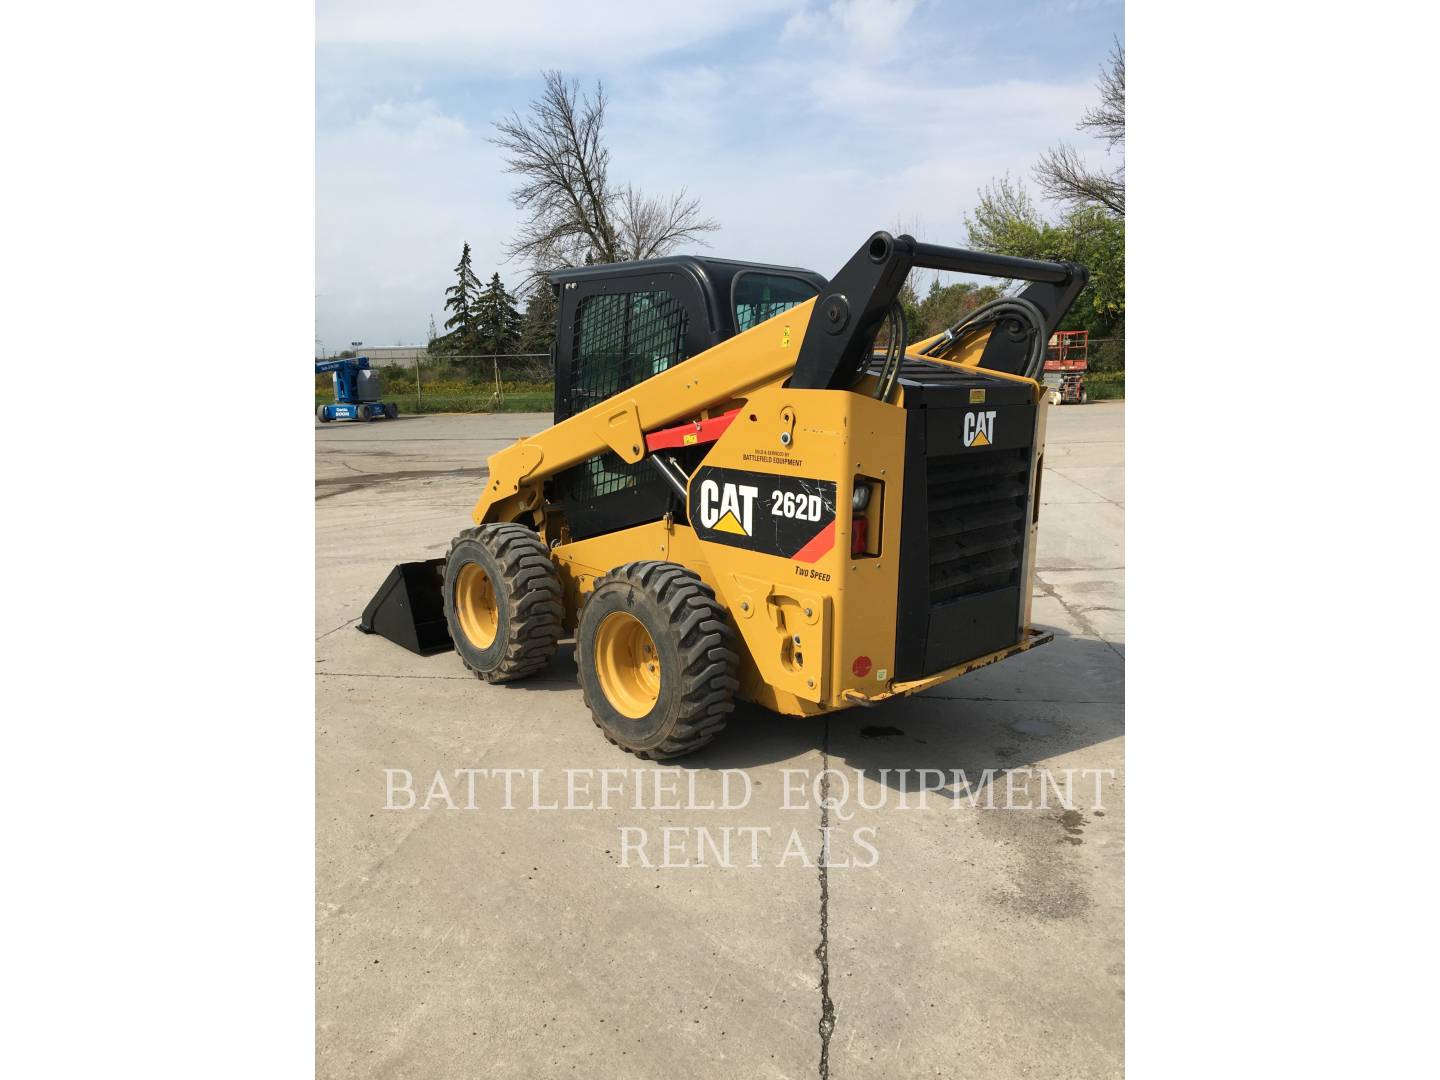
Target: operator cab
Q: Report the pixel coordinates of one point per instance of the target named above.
(622, 323)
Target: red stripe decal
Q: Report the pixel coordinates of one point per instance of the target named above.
(819, 544)
(691, 434)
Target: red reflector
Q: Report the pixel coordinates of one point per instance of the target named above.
(859, 534)
(861, 666)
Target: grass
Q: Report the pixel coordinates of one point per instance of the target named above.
(1105, 386)
(462, 397)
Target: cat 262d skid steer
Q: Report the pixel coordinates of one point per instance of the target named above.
(756, 488)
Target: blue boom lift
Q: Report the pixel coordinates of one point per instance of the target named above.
(357, 392)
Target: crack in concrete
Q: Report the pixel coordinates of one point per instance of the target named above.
(1092, 491)
(342, 626)
(1075, 613)
(822, 951)
(347, 484)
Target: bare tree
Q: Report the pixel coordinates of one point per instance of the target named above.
(1062, 173)
(1108, 120)
(651, 225)
(575, 214)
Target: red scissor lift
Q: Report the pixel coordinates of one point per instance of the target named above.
(1065, 364)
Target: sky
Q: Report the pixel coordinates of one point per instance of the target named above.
(802, 125)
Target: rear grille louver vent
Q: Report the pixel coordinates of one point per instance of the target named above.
(977, 510)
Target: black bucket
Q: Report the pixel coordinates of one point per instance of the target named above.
(409, 609)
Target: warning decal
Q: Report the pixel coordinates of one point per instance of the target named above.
(788, 516)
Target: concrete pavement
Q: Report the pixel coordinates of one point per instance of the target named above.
(470, 939)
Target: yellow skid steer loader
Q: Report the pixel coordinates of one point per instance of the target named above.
(755, 487)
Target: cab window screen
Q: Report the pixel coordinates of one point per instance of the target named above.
(763, 296)
(622, 339)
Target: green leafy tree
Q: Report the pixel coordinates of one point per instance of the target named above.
(946, 305)
(1006, 221)
(497, 320)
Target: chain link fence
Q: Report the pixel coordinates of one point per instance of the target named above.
(525, 382)
(503, 382)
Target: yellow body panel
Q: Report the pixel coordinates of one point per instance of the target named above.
(838, 607)
(763, 355)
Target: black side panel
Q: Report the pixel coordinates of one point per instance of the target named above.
(963, 529)
(965, 629)
(409, 608)
(913, 611)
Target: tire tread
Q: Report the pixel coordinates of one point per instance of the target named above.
(535, 602)
(709, 655)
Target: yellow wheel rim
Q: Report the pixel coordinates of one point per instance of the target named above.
(628, 664)
(476, 605)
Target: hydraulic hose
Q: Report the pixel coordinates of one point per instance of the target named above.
(994, 312)
(894, 352)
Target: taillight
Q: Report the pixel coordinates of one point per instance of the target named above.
(859, 535)
(868, 495)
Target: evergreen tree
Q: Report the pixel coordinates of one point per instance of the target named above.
(497, 320)
(460, 301)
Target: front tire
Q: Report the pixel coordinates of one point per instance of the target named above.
(658, 659)
(322, 415)
(503, 602)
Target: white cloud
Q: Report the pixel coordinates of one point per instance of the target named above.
(871, 27)
(512, 38)
(398, 189)
(416, 126)
(799, 147)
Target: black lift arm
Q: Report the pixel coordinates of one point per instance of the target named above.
(851, 308)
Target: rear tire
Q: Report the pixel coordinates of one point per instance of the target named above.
(503, 602)
(392, 410)
(322, 415)
(658, 660)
